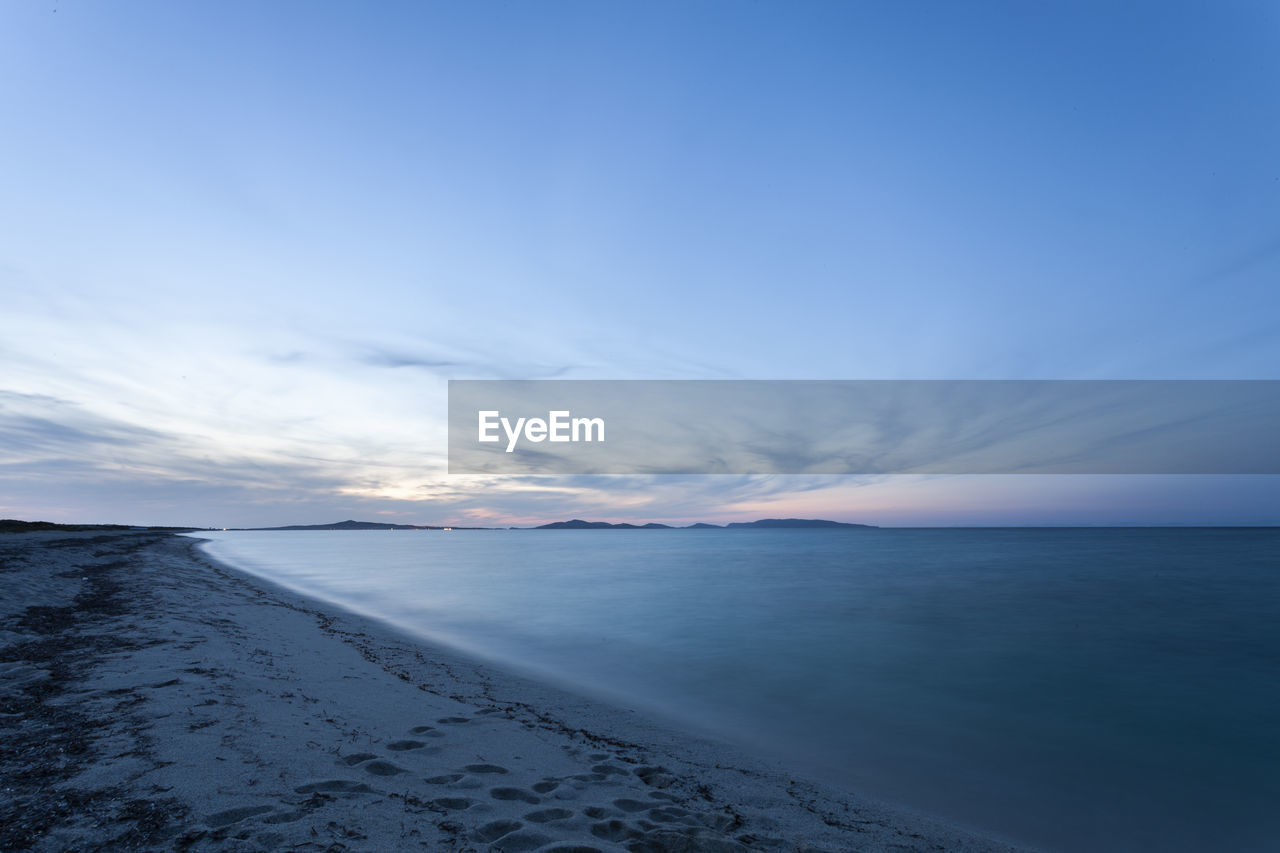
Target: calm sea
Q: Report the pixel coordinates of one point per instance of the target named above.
(1075, 689)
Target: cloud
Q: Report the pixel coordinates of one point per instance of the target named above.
(40, 426)
(487, 366)
(378, 357)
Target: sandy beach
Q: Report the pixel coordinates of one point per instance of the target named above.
(153, 699)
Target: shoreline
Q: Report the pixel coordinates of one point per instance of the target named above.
(156, 698)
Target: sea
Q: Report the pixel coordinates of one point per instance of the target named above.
(1072, 689)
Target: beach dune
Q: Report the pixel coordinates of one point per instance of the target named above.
(154, 699)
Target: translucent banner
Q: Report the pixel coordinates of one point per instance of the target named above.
(561, 427)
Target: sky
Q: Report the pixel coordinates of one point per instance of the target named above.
(244, 245)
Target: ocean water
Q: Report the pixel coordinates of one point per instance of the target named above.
(1073, 689)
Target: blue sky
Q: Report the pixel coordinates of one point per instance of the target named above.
(244, 245)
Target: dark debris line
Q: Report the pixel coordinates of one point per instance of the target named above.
(47, 733)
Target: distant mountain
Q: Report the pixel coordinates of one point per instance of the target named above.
(579, 524)
(794, 522)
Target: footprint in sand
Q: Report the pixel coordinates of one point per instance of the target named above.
(425, 731)
(546, 786)
(520, 842)
(494, 830)
(356, 758)
(484, 768)
(453, 721)
(453, 804)
(403, 745)
(613, 830)
(334, 786)
(382, 768)
(607, 770)
(443, 780)
(514, 794)
(667, 814)
(231, 816)
(598, 813)
(632, 805)
(655, 777)
(548, 815)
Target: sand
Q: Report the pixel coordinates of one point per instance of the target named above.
(153, 699)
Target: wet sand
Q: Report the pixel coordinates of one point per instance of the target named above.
(153, 699)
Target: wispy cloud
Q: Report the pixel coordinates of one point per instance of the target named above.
(375, 355)
(36, 426)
